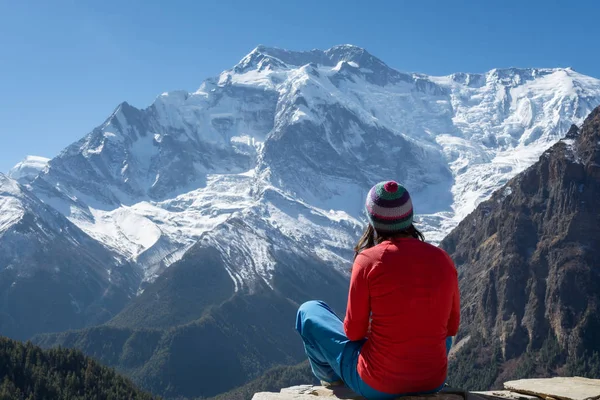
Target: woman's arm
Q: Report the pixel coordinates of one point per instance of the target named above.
(356, 323)
(454, 320)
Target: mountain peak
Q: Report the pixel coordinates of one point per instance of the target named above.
(285, 58)
(348, 52)
(26, 170)
(516, 76)
(264, 58)
(341, 48)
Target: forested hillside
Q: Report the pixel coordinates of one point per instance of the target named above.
(28, 372)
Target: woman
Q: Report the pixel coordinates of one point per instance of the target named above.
(403, 309)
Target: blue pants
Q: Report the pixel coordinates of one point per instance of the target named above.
(332, 356)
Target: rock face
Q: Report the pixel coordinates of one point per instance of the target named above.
(529, 258)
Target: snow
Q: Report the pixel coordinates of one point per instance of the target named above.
(338, 66)
(26, 170)
(132, 230)
(572, 148)
(244, 139)
(215, 153)
(12, 209)
(277, 223)
(35, 162)
(266, 79)
(26, 225)
(9, 187)
(145, 149)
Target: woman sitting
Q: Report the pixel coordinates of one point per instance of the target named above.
(403, 309)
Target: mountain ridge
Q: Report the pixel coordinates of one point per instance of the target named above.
(528, 265)
(53, 276)
(245, 146)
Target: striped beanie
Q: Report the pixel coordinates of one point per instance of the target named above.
(389, 207)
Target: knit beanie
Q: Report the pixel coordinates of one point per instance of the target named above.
(389, 207)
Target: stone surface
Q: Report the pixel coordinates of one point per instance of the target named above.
(558, 388)
(536, 389)
(505, 394)
(282, 396)
(307, 392)
(525, 389)
(300, 389)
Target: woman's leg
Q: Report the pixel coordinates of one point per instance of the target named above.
(332, 356)
(353, 380)
(324, 339)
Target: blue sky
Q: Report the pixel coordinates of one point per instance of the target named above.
(65, 65)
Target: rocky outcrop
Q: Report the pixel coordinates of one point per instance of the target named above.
(558, 388)
(308, 392)
(525, 389)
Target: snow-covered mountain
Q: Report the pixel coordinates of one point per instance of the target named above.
(259, 178)
(26, 170)
(53, 276)
(290, 142)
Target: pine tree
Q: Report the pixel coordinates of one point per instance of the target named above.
(27, 372)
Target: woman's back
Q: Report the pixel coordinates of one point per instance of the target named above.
(403, 306)
(411, 290)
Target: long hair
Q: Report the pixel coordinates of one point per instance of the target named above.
(371, 238)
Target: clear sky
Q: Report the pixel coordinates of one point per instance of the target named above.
(65, 65)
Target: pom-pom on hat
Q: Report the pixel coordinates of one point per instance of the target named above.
(389, 207)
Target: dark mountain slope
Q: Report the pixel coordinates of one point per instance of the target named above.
(192, 334)
(272, 381)
(529, 267)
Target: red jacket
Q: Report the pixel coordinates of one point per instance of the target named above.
(410, 290)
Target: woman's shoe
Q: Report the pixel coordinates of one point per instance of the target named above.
(332, 384)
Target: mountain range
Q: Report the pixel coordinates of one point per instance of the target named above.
(209, 216)
(312, 129)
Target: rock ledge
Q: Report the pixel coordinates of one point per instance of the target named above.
(525, 389)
